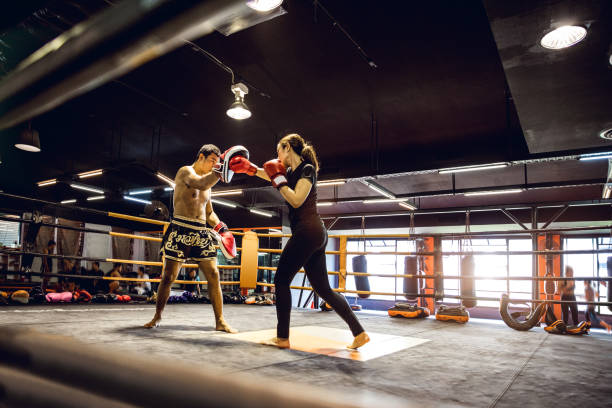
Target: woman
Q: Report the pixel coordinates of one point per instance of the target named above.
(566, 290)
(306, 247)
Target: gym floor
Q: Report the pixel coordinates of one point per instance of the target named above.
(480, 364)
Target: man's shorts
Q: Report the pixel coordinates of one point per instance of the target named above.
(188, 238)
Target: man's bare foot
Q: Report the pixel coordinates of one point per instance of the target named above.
(153, 323)
(277, 342)
(360, 339)
(224, 327)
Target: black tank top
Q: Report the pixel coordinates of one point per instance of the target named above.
(308, 210)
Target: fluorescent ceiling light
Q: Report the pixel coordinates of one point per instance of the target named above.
(224, 203)
(380, 190)
(274, 231)
(264, 5)
(93, 198)
(324, 203)
(323, 183)
(408, 206)
(473, 168)
(87, 188)
(264, 213)
(226, 193)
(138, 200)
(71, 201)
(139, 192)
(90, 173)
(46, 182)
(492, 192)
(563, 37)
(169, 189)
(383, 200)
(596, 156)
(165, 178)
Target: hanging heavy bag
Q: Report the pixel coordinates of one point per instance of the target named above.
(467, 285)
(360, 264)
(411, 284)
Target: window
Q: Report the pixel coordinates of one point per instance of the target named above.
(9, 234)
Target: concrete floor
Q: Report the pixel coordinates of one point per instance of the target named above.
(480, 364)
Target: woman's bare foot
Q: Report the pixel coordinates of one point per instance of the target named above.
(606, 326)
(277, 342)
(360, 339)
(153, 323)
(223, 326)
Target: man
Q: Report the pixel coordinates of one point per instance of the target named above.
(142, 288)
(115, 286)
(188, 236)
(46, 264)
(92, 285)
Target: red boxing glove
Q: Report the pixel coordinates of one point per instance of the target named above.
(240, 164)
(276, 171)
(226, 241)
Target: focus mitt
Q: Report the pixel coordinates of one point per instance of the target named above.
(223, 167)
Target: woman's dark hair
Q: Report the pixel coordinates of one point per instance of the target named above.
(301, 147)
(207, 149)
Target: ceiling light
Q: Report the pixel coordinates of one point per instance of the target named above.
(238, 110)
(86, 188)
(94, 198)
(224, 203)
(606, 134)
(383, 200)
(330, 182)
(46, 182)
(90, 173)
(264, 213)
(380, 189)
(139, 192)
(169, 189)
(71, 201)
(138, 200)
(28, 140)
(596, 156)
(264, 5)
(226, 192)
(563, 37)
(324, 203)
(166, 179)
(473, 168)
(492, 192)
(409, 206)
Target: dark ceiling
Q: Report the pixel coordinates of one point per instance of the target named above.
(456, 83)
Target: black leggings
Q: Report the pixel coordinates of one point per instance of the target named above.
(567, 307)
(306, 247)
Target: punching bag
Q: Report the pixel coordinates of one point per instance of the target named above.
(361, 282)
(467, 285)
(609, 282)
(411, 285)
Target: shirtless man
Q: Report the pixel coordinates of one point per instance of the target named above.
(188, 236)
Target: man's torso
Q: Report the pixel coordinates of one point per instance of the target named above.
(189, 201)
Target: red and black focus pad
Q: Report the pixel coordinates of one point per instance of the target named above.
(225, 239)
(223, 167)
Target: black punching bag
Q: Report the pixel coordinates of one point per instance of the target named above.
(361, 282)
(467, 285)
(609, 282)
(411, 285)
